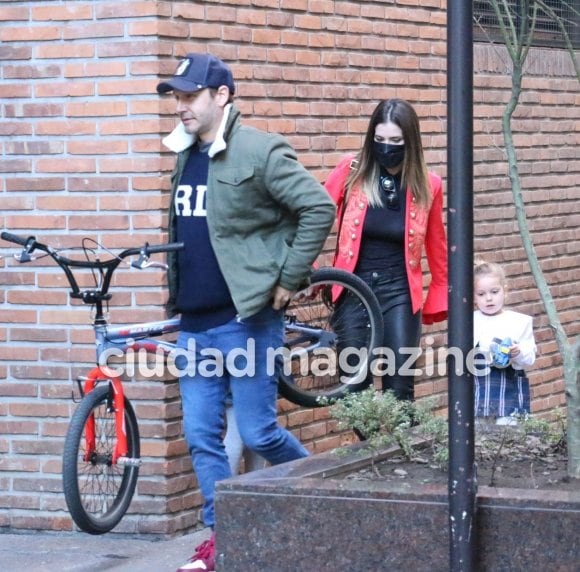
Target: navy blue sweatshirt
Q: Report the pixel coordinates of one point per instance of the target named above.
(203, 297)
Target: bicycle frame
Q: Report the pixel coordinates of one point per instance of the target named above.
(140, 336)
(105, 337)
(102, 453)
(117, 404)
(303, 338)
(122, 339)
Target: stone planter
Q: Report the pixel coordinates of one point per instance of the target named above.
(296, 517)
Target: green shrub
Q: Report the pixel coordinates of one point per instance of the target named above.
(384, 420)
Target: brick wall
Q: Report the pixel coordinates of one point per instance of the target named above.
(81, 157)
(547, 140)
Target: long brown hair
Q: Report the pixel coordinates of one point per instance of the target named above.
(365, 171)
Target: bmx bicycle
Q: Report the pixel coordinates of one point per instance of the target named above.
(101, 457)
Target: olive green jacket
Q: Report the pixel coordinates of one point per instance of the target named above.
(268, 218)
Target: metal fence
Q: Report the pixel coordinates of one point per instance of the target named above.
(549, 22)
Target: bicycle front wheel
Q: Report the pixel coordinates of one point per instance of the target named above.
(329, 343)
(97, 491)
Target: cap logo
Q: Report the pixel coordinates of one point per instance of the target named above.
(183, 67)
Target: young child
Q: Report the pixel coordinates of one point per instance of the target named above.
(506, 340)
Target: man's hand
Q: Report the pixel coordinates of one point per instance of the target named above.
(281, 297)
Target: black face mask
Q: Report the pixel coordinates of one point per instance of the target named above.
(388, 156)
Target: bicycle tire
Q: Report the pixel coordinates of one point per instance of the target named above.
(97, 492)
(298, 380)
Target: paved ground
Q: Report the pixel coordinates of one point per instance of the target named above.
(80, 552)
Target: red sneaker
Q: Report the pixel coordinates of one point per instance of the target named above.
(204, 558)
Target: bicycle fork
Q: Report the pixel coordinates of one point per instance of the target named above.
(116, 404)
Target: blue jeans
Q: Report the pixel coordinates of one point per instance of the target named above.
(254, 388)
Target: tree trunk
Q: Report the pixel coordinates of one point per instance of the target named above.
(572, 377)
(568, 352)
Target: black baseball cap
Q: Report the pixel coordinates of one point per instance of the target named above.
(198, 71)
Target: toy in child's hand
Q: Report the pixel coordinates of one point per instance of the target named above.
(500, 352)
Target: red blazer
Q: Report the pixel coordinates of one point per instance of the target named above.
(423, 227)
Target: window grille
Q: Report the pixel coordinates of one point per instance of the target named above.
(547, 31)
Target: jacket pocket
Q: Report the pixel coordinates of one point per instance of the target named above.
(235, 177)
(242, 200)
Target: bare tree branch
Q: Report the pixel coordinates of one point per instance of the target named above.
(518, 40)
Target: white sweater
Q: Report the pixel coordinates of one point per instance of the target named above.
(506, 324)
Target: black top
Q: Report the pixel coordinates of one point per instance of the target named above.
(383, 234)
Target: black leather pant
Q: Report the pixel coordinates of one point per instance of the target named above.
(402, 329)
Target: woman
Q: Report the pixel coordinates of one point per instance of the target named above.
(389, 208)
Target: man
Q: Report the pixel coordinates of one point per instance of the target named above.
(253, 221)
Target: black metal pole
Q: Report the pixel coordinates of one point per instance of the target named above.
(462, 483)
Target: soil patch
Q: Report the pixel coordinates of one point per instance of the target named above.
(504, 458)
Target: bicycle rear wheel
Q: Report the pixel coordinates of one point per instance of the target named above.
(329, 344)
(98, 492)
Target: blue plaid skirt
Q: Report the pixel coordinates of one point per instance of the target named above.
(502, 392)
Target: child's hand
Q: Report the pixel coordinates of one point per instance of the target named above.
(515, 351)
(500, 352)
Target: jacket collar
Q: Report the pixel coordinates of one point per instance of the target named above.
(179, 139)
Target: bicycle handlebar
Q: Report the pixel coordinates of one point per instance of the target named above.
(30, 244)
(9, 237)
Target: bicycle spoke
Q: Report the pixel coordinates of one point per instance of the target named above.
(97, 491)
(99, 480)
(329, 341)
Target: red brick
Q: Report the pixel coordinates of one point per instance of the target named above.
(101, 69)
(130, 9)
(37, 335)
(132, 165)
(14, 165)
(29, 34)
(17, 203)
(127, 87)
(100, 183)
(93, 30)
(65, 89)
(63, 13)
(13, 53)
(18, 427)
(100, 147)
(62, 165)
(36, 297)
(61, 51)
(133, 48)
(14, 14)
(34, 148)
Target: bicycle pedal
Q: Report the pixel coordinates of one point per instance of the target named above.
(129, 461)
